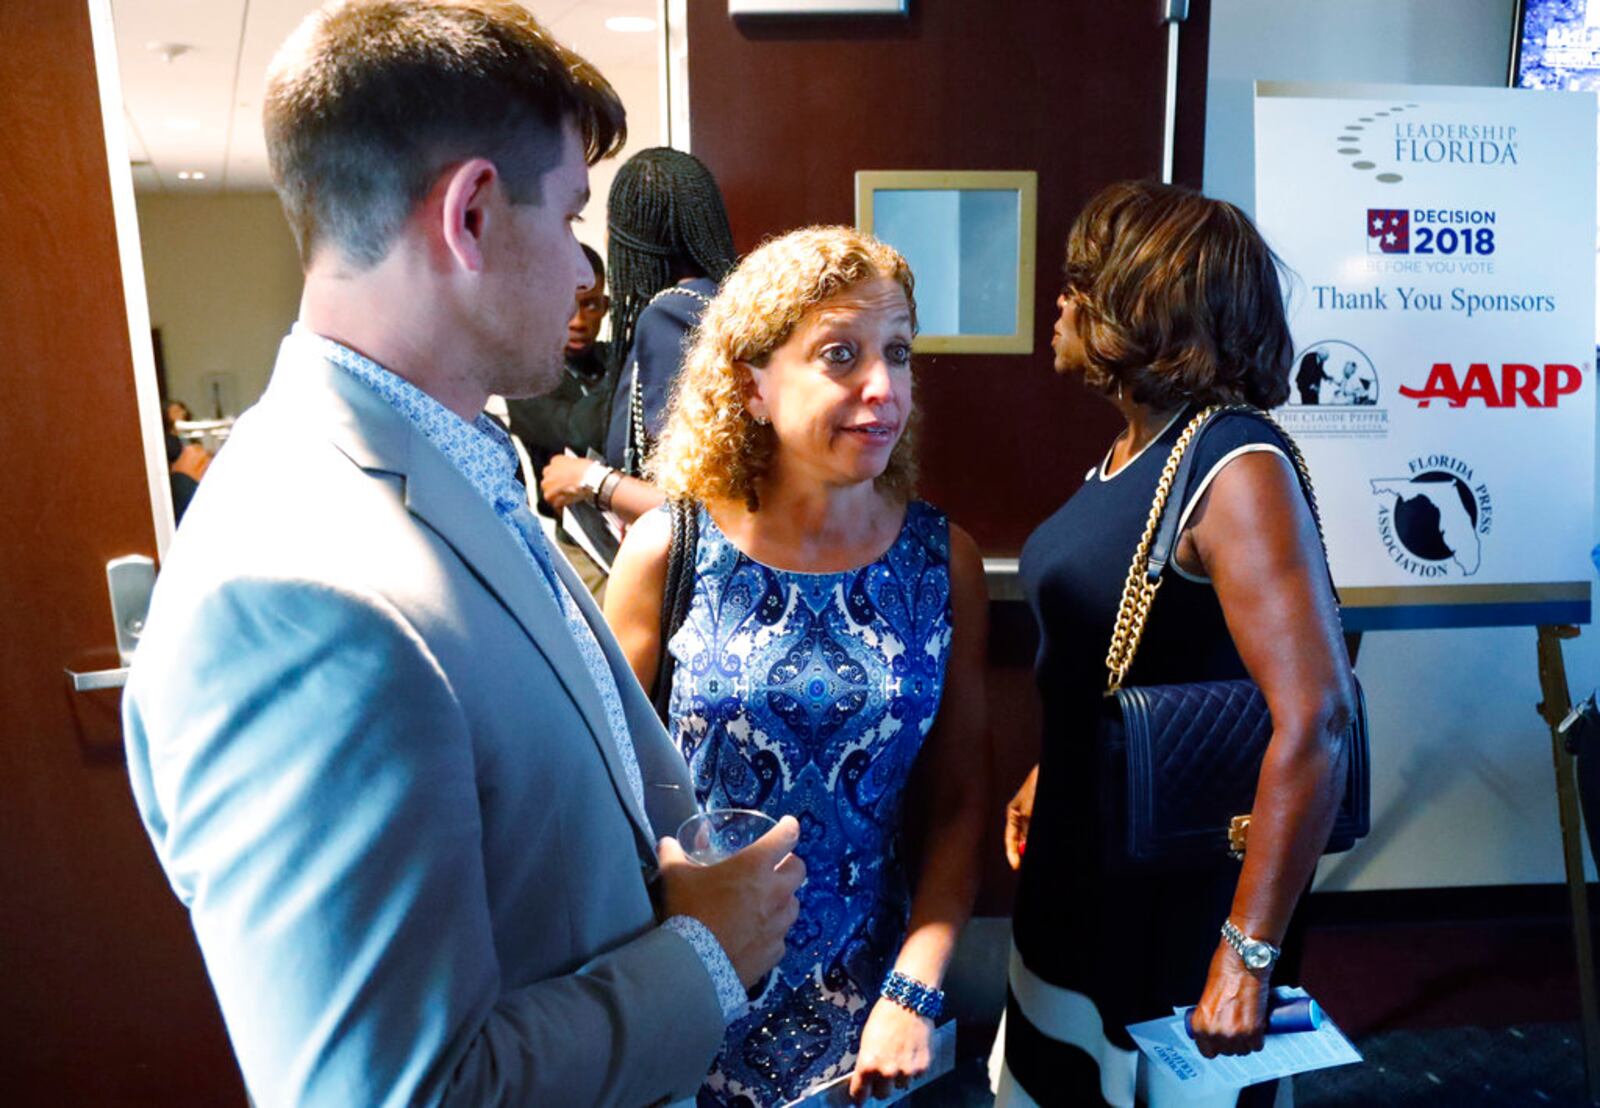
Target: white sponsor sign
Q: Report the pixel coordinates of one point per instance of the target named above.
(1442, 305)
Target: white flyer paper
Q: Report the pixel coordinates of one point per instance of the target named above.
(836, 1093)
(1173, 1054)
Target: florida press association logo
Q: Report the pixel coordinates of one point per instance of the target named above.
(1334, 391)
(1434, 519)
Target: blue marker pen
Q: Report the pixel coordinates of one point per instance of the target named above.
(1284, 1014)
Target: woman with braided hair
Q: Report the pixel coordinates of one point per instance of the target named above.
(670, 246)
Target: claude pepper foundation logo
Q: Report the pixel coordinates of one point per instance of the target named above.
(1334, 392)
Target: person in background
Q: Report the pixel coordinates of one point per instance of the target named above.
(385, 747)
(574, 415)
(186, 462)
(832, 652)
(669, 246)
(184, 483)
(1171, 304)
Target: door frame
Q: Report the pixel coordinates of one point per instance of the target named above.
(126, 214)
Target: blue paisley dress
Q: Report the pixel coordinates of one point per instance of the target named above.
(809, 694)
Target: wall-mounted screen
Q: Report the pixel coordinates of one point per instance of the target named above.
(1556, 45)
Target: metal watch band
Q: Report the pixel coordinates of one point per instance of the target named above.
(1256, 954)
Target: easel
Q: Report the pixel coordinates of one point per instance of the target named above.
(1556, 705)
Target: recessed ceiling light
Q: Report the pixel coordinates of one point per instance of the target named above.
(191, 175)
(169, 52)
(630, 24)
(178, 124)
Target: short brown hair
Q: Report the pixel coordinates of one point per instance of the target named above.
(711, 449)
(1176, 299)
(368, 101)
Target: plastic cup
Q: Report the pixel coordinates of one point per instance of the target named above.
(717, 835)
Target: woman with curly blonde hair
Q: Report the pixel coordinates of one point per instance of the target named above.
(833, 643)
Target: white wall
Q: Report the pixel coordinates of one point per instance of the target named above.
(638, 86)
(224, 279)
(1463, 791)
(1424, 42)
(224, 283)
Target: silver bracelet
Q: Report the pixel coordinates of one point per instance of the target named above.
(608, 489)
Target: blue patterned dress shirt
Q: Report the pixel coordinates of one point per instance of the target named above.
(482, 452)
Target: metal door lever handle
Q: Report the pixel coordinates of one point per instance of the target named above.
(130, 580)
(98, 679)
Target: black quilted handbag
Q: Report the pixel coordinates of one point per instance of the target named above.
(1179, 763)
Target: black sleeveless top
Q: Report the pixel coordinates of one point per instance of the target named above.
(1074, 565)
(1070, 914)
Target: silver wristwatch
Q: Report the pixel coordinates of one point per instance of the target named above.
(1257, 956)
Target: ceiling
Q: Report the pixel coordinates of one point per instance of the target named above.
(200, 111)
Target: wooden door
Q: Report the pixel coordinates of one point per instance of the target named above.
(103, 999)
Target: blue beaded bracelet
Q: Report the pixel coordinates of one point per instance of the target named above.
(913, 995)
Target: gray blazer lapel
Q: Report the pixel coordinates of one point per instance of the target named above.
(668, 788)
(372, 434)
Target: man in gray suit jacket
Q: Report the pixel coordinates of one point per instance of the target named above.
(385, 747)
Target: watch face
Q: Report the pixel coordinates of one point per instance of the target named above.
(1257, 955)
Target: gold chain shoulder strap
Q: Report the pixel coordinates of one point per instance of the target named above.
(1138, 591)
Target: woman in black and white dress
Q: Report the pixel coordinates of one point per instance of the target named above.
(1171, 304)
